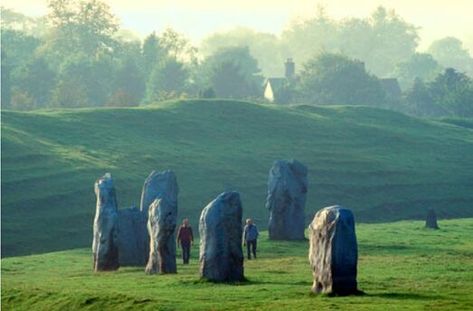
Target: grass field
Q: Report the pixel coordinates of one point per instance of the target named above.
(384, 165)
(402, 266)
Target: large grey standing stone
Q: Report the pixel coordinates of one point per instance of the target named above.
(287, 189)
(431, 220)
(333, 252)
(154, 186)
(105, 240)
(132, 237)
(162, 218)
(220, 228)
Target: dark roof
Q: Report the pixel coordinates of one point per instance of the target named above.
(391, 87)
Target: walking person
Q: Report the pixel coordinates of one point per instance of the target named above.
(186, 239)
(250, 235)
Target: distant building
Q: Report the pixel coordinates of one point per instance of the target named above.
(277, 89)
(272, 88)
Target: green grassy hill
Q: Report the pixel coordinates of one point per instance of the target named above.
(384, 165)
(401, 266)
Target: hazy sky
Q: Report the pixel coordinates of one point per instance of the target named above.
(197, 18)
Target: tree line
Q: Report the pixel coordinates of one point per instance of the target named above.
(77, 56)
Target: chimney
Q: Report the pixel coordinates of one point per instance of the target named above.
(290, 69)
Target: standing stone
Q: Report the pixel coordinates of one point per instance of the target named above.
(220, 228)
(105, 242)
(287, 189)
(162, 218)
(131, 237)
(154, 186)
(431, 220)
(333, 252)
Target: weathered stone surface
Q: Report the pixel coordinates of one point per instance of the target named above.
(333, 252)
(105, 240)
(220, 227)
(162, 218)
(132, 237)
(287, 189)
(431, 220)
(154, 186)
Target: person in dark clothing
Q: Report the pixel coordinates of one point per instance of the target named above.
(250, 235)
(185, 238)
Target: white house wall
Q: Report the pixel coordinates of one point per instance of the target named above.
(268, 92)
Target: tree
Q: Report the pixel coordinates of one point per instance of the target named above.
(20, 100)
(419, 100)
(36, 80)
(5, 82)
(85, 27)
(419, 66)
(19, 47)
(233, 72)
(129, 85)
(169, 79)
(392, 40)
(264, 47)
(336, 79)
(17, 51)
(207, 93)
(69, 93)
(177, 46)
(305, 38)
(17, 21)
(449, 52)
(84, 82)
(454, 92)
(151, 52)
(381, 40)
(450, 94)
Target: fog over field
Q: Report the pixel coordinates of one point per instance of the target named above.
(435, 19)
(289, 152)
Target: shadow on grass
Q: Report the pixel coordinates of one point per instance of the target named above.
(202, 280)
(260, 282)
(400, 296)
(359, 293)
(390, 247)
(245, 282)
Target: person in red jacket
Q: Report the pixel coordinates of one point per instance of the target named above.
(185, 238)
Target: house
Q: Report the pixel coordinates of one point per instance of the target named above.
(273, 87)
(277, 89)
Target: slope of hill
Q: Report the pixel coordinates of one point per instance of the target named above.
(401, 266)
(384, 165)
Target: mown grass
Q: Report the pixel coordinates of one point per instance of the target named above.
(384, 165)
(402, 266)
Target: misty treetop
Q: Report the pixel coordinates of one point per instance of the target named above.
(78, 56)
(233, 72)
(450, 94)
(336, 79)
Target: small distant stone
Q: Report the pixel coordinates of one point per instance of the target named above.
(431, 220)
(333, 252)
